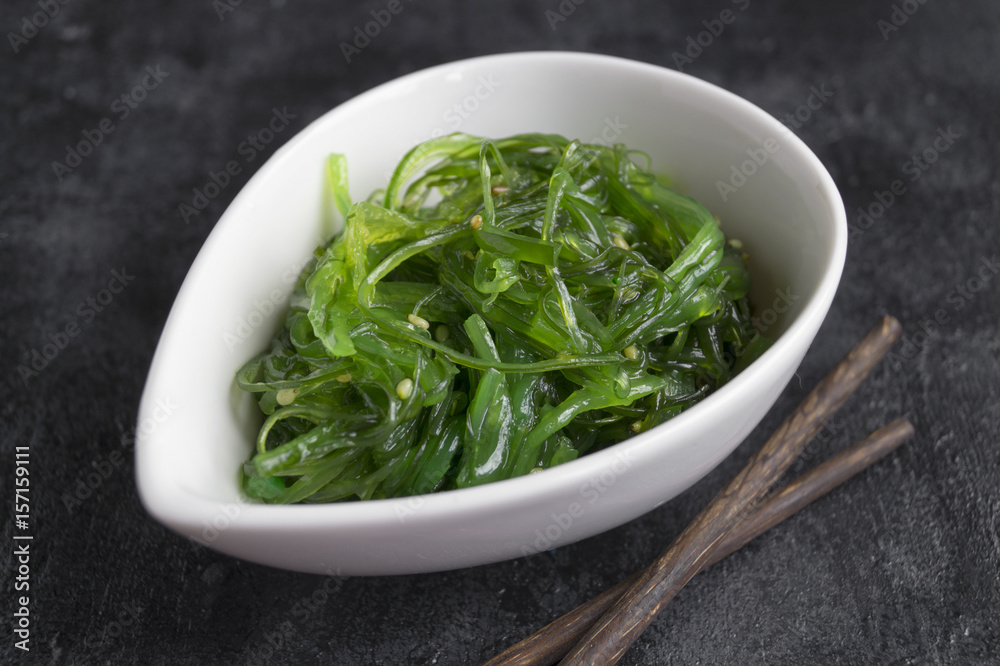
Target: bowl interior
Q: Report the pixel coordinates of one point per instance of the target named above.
(763, 184)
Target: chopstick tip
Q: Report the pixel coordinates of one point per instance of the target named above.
(904, 426)
(891, 327)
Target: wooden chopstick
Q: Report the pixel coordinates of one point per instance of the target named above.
(552, 642)
(613, 633)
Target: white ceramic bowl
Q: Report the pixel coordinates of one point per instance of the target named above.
(196, 428)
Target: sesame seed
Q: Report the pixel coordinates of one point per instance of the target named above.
(344, 378)
(469, 255)
(404, 389)
(476, 222)
(499, 189)
(736, 243)
(419, 322)
(636, 426)
(286, 396)
(620, 242)
(631, 352)
(441, 333)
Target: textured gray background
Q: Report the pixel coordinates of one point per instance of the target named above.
(900, 566)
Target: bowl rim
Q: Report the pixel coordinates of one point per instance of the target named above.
(171, 503)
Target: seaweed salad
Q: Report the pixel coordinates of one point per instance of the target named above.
(501, 307)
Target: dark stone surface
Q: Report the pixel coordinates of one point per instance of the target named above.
(900, 566)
